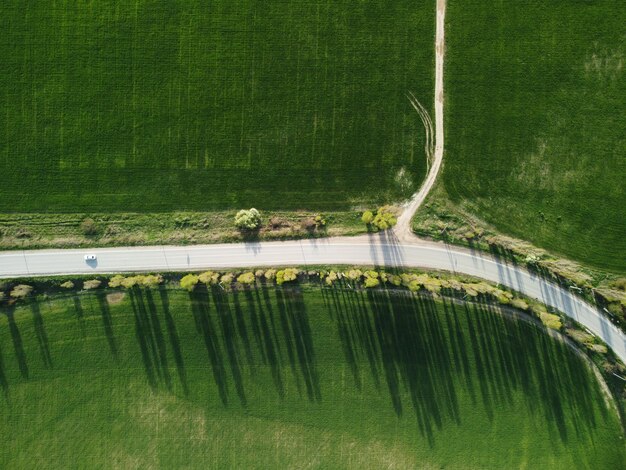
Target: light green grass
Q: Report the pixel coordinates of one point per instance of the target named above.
(151, 106)
(292, 378)
(535, 145)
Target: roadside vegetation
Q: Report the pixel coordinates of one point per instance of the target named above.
(440, 219)
(274, 367)
(535, 94)
(19, 231)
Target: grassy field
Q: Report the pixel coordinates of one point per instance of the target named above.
(292, 378)
(150, 106)
(534, 119)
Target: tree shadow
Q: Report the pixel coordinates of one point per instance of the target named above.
(107, 322)
(204, 325)
(298, 330)
(174, 339)
(80, 314)
(229, 333)
(428, 355)
(4, 384)
(16, 338)
(41, 335)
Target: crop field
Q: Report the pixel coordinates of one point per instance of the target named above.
(122, 105)
(535, 141)
(292, 378)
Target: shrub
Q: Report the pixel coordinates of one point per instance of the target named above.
(209, 278)
(116, 281)
(188, 282)
(226, 279)
(286, 275)
(21, 291)
(88, 227)
(385, 218)
(246, 278)
(248, 219)
(151, 280)
(67, 285)
(270, 274)
(92, 284)
(367, 217)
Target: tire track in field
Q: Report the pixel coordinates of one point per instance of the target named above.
(403, 228)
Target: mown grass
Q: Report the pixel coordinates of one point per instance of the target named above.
(151, 106)
(292, 377)
(535, 131)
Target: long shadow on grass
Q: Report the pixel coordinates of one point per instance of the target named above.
(4, 384)
(16, 337)
(107, 322)
(174, 340)
(41, 335)
(150, 337)
(297, 330)
(229, 333)
(204, 326)
(427, 359)
(80, 314)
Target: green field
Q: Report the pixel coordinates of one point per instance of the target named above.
(536, 133)
(120, 105)
(292, 378)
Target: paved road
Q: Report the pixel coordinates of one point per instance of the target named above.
(377, 250)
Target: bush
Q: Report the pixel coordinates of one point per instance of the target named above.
(384, 218)
(246, 278)
(21, 291)
(88, 227)
(67, 285)
(286, 275)
(92, 284)
(248, 219)
(188, 282)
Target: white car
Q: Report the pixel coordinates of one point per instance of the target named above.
(90, 257)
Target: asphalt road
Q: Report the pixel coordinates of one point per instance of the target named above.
(376, 250)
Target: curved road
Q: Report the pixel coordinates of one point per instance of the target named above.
(400, 248)
(378, 250)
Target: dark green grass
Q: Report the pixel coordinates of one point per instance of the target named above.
(292, 378)
(157, 105)
(535, 94)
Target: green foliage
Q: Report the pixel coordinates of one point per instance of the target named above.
(270, 274)
(371, 279)
(67, 285)
(116, 281)
(209, 278)
(226, 279)
(151, 281)
(246, 278)
(91, 284)
(21, 291)
(88, 227)
(286, 275)
(248, 219)
(189, 282)
(384, 218)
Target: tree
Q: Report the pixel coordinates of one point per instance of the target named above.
(88, 227)
(246, 278)
(286, 275)
(248, 220)
(21, 291)
(92, 284)
(116, 281)
(188, 282)
(67, 285)
(367, 217)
